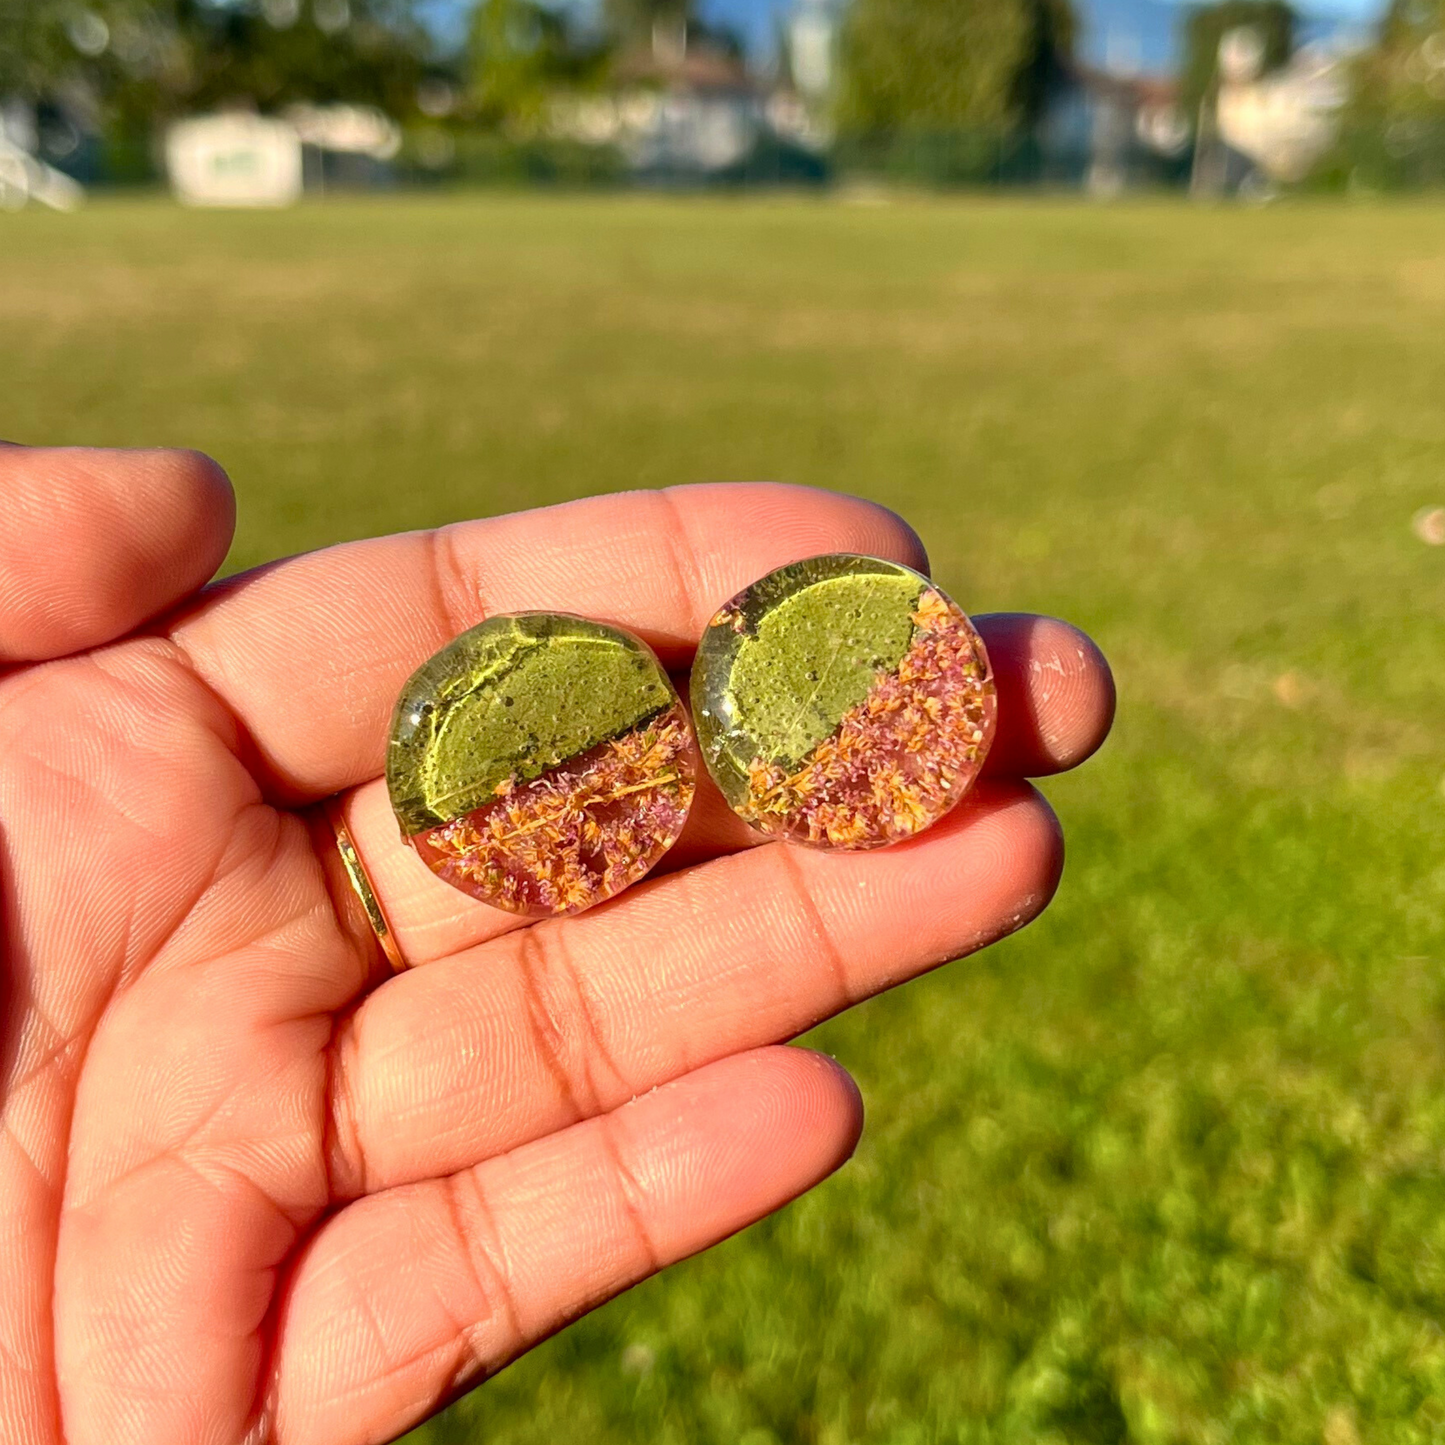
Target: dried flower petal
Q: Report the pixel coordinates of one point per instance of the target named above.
(541, 763)
(908, 736)
(579, 833)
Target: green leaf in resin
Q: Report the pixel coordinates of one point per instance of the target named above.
(843, 701)
(540, 761)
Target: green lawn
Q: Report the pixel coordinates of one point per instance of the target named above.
(1171, 1164)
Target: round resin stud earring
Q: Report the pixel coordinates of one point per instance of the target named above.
(843, 701)
(540, 762)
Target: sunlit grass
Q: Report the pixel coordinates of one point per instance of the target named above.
(1166, 1167)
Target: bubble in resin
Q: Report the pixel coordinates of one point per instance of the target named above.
(540, 762)
(843, 702)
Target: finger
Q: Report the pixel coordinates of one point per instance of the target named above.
(1056, 701)
(1055, 694)
(409, 1296)
(312, 652)
(94, 543)
(472, 1055)
(430, 919)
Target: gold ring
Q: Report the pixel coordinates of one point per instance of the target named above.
(361, 884)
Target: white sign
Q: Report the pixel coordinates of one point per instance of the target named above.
(234, 160)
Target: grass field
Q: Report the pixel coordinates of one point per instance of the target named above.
(1169, 1166)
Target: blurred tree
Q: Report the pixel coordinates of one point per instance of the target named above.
(367, 52)
(941, 65)
(34, 47)
(523, 51)
(145, 60)
(1273, 22)
(1402, 78)
(633, 23)
(1393, 126)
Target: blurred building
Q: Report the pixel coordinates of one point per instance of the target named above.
(1110, 132)
(243, 159)
(1257, 130)
(1137, 135)
(684, 110)
(1285, 121)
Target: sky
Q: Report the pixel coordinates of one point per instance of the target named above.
(1152, 18)
(754, 17)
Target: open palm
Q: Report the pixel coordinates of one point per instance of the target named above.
(251, 1188)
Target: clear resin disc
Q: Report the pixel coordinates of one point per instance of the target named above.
(843, 702)
(540, 762)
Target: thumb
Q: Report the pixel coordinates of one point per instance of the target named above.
(93, 543)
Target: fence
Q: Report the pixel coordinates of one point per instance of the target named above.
(1401, 155)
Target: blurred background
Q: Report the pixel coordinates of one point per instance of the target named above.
(260, 101)
(1138, 314)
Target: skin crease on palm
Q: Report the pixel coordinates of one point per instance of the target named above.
(255, 1190)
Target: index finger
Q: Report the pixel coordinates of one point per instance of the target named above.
(310, 653)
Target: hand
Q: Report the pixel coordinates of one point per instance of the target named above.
(252, 1189)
